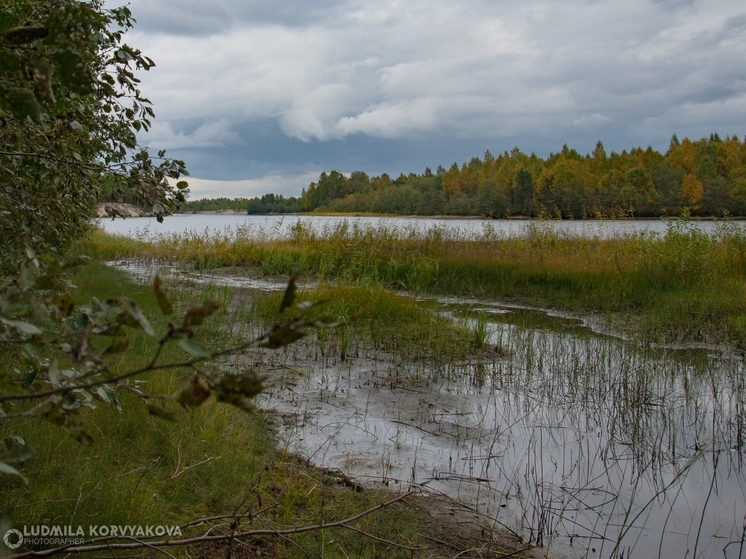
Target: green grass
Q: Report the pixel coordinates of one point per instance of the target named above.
(141, 470)
(684, 285)
(371, 318)
(125, 476)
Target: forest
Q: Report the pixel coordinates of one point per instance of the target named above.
(706, 177)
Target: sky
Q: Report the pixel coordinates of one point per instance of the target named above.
(262, 96)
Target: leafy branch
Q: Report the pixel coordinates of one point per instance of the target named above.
(63, 358)
(70, 112)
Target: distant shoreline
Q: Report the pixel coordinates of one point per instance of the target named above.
(110, 209)
(460, 217)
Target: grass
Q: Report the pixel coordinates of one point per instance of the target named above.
(141, 470)
(216, 460)
(126, 475)
(684, 285)
(370, 317)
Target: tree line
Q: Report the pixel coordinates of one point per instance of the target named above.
(707, 177)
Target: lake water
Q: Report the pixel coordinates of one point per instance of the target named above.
(280, 224)
(584, 443)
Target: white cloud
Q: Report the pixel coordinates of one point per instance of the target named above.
(456, 68)
(392, 120)
(309, 114)
(279, 184)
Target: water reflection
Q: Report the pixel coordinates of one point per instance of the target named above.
(583, 443)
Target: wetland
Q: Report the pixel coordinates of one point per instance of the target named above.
(584, 394)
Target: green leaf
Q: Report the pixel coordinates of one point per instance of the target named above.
(8, 470)
(29, 379)
(124, 55)
(181, 185)
(190, 346)
(53, 374)
(237, 390)
(105, 393)
(194, 393)
(17, 450)
(64, 303)
(10, 62)
(22, 326)
(49, 279)
(289, 297)
(281, 336)
(73, 72)
(20, 101)
(134, 311)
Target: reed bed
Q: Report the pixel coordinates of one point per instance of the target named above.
(582, 437)
(686, 284)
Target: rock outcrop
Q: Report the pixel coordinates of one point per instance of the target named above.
(109, 209)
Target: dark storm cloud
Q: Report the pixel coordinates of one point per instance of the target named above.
(265, 150)
(197, 17)
(247, 89)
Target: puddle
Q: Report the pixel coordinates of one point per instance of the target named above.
(145, 272)
(577, 439)
(526, 316)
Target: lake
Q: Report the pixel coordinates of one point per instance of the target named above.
(280, 224)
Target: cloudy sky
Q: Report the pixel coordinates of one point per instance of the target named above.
(263, 95)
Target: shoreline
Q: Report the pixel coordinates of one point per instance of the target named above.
(117, 209)
(469, 217)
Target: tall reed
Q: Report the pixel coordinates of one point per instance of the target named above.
(685, 282)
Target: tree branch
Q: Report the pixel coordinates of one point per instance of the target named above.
(52, 158)
(137, 543)
(150, 367)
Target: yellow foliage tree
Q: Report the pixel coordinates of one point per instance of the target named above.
(692, 192)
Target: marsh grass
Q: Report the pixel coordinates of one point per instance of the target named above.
(141, 470)
(370, 318)
(685, 283)
(602, 410)
(583, 437)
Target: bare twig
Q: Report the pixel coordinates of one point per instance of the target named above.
(285, 538)
(226, 516)
(28, 413)
(389, 542)
(137, 543)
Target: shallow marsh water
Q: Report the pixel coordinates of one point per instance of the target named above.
(569, 436)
